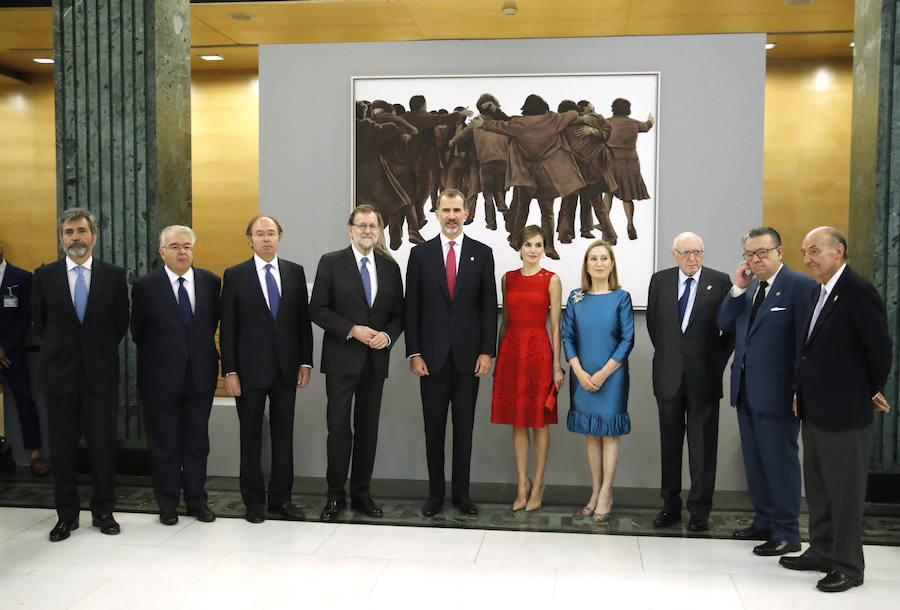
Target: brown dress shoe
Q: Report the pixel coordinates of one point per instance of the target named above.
(39, 467)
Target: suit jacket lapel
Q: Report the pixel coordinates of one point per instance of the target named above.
(830, 300)
(437, 255)
(699, 299)
(466, 258)
(384, 279)
(253, 278)
(288, 287)
(62, 280)
(161, 281)
(348, 264)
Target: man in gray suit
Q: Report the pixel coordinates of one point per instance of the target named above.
(689, 356)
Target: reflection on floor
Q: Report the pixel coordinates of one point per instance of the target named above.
(633, 512)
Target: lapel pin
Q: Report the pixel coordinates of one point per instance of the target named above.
(709, 286)
(778, 294)
(835, 298)
(472, 258)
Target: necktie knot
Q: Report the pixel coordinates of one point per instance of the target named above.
(268, 268)
(365, 261)
(181, 281)
(452, 243)
(764, 284)
(80, 270)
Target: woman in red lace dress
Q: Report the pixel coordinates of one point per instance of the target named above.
(528, 372)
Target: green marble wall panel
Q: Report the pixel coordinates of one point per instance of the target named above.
(875, 187)
(122, 85)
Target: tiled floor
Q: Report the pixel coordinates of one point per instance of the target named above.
(233, 564)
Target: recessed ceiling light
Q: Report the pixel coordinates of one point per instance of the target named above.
(770, 45)
(212, 58)
(42, 60)
(852, 44)
(240, 17)
(509, 9)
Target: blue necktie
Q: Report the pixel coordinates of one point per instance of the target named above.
(366, 280)
(272, 289)
(81, 294)
(683, 301)
(184, 304)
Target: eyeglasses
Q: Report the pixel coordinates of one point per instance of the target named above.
(363, 227)
(687, 253)
(761, 253)
(177, 247)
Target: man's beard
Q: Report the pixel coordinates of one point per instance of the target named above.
(77, 250)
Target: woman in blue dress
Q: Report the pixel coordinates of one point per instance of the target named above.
(598, 334)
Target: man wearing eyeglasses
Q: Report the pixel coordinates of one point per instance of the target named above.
(174, 316)
(357, 299)
(689, 357)
(767, 310)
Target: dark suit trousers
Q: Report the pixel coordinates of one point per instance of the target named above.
(251, 405)
(772, 466)
(445, 387)
(359, 441)
(66, 413)
(178, 442)
(835, 464)
(701, 422)
(18, 380)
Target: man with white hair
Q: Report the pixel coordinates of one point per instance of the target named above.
(689, 357)
(174, 317)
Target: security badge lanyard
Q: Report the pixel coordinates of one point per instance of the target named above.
(10, 300)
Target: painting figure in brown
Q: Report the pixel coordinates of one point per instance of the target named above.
(626, 167)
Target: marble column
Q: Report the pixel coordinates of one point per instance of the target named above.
(874, 232)
(123, 135)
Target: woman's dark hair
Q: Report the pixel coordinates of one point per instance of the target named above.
(621, 107)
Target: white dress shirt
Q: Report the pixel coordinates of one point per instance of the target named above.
(2, 270)
(189, 285)
(825, 289)
(457, 248)
(682, 280)
(73, 275)
(373, 276)
(261, 273)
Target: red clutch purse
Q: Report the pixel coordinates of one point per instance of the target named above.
(550, 401)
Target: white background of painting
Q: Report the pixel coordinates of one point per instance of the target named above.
(635, 259)
(710, 181)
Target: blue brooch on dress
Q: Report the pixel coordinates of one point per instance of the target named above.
(578, 296)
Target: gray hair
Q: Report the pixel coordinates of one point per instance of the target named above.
(176, 229)
(685, 234)
(759, 232)
(74, 214)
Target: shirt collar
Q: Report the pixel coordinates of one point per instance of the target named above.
(173, 277)
(458, 240)
(2, 268)
(261, 264)
(70, 264)
(359, 255)
(682, 277)
(829, 286)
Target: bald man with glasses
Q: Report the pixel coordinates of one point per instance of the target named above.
(689, 357)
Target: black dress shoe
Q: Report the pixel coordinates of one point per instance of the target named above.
(367, 507)
(772, 548)
(333, 506)
(802, 562)
(61, 530)
(255, 514)
(664, 519)
(288, 512)
(698, 523)
(752, 533)
(466, 507)
(168, 516)
(106, 523)
(202, 513)
(432, 507)
(836, 581)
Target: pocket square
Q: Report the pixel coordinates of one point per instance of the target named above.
(778, 309)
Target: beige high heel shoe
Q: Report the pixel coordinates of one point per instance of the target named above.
(535, 498)
(519, 505)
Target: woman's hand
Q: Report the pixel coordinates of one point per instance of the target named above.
(558, 376)
(585, 380)
(599, 378)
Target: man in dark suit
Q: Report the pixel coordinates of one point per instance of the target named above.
(174, 316)
(766, 310)
(266, 340)
(80, 313)
(689, 357)
(15, 322)
(451, 336)
(844, 364)
(358, 300)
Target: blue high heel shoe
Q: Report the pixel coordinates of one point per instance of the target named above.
(588, 511)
